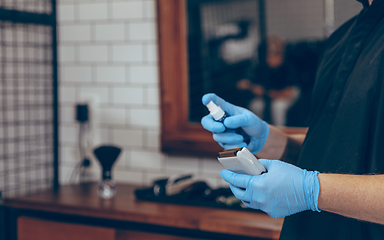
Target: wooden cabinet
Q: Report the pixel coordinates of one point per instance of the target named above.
(37, 229)
(76, 212)
(137, 235)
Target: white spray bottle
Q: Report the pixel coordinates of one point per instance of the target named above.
(219, 115)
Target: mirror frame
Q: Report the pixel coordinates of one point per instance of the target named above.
(178, 135)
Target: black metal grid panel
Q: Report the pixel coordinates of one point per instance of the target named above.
(28, 97)
(33, 6)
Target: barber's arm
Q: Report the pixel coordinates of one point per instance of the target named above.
(355, 196)
(286, 189)
(266, 141)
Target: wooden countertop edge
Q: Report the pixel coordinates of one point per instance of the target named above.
(212, 222)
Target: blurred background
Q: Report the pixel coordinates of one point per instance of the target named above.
(107, 55)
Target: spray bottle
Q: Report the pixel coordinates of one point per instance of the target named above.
(219, 115)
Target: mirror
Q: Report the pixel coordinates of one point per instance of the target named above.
(233, 54)
(258, 54)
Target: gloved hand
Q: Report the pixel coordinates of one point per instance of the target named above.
(256, 128)
(282, 191)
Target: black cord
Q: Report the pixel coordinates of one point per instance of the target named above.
(79, 169)
(81, 151)
(74, 173)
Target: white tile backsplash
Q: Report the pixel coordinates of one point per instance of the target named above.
(150, 52)
(127, 10)
(78, 74)
(69, 155)
(152, 96)
(110, 74)
(142, 31)
(93, 53)
(145, 117)
(122, 163)
(109, 32)
(68, 133)
(127, 137)
(75, 33)
(152, 139)
(144, 74)
(66, 53)
(211, 165)
(128, 53)
(112, 116)
(66, 13)
(67, 94)
(182, 164)
(128, 95)
(67, 113)
(108, 51)
(150, 9)
(146, 159)
(93, 11)
(65, 174)
(100, 93)
(102, 137)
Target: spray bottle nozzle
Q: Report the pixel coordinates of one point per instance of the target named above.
(216, 112)
(211, 106)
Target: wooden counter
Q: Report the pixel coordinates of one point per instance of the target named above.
(82, 201)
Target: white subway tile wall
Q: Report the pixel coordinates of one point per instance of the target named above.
(108, 49)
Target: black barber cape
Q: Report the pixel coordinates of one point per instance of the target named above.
(346, 131)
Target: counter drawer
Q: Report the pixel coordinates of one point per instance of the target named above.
(29, 228)
(137, 235)
(37, 229)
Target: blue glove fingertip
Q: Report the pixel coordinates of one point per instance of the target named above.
(211, 125)
(226, 175)
(208, 97)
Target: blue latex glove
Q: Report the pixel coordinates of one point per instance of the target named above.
(282, 191)
(256, 128)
